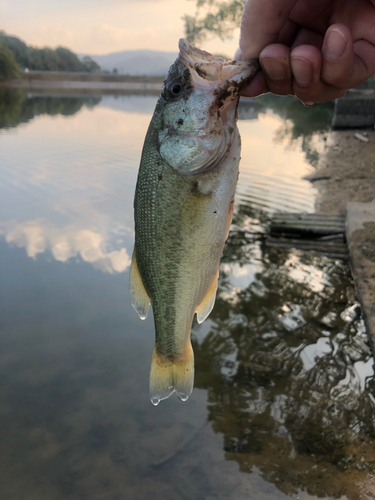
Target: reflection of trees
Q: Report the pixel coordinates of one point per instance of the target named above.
(305, 120)
(14, 109)
(247, 227)
(280, 366)
(299, 121)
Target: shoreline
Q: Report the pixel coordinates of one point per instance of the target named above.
(86, 86)
(68, 82)
(345, 181)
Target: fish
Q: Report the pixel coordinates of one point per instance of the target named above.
(183, 207)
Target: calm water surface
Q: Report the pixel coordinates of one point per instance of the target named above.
(283, 402)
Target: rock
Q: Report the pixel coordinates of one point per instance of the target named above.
(361, 137)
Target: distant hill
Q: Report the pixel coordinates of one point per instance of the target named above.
(136, 62)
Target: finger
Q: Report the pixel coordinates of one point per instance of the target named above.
(306, 36)
(275, 60)
(257, 86)
(275, 63)
(345, 64)
(287, 33)
(306, 63)
(261, 23)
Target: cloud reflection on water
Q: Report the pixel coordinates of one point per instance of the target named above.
(66, 242)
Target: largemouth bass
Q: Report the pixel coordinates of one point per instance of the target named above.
(183, 207)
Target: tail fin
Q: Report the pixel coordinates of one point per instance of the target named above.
(167, 377)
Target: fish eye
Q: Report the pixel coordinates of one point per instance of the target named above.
(176, 89)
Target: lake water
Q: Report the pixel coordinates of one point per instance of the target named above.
(283, 402)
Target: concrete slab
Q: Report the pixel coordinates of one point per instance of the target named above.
(360, 233)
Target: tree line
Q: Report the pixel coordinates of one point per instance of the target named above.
(15, 54)
(16, 109)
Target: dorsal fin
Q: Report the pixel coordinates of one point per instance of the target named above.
(207, 304)
(138, 295)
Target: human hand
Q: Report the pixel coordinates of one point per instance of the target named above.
(315, 49)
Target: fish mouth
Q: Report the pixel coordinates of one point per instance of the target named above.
(224, 77)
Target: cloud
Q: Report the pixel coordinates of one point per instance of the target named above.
(110, 37)
(98, 27)
(56, 36)
(106, 34)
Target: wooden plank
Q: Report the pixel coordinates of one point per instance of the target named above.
(304, 232)
(312, 223)
(323, 228)
(331, 249)
(308, 244)
(355, 109)
(295, 220)
(304, 216)
(307, 225)
(319, 233)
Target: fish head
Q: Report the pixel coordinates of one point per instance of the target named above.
(197, 110)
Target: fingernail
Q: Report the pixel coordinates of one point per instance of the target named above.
(273, 69)
(335, 44)
(302, 71)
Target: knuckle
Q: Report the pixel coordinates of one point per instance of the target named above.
(333, 78)
(337, 74)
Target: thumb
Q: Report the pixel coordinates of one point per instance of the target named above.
(261, 22)
(346, 64)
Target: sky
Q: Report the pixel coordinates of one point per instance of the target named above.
(103, 26)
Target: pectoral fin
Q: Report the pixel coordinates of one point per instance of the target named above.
(207, 304)
(138, 295)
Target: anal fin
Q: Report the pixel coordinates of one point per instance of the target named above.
(207, 304)
(138, 295)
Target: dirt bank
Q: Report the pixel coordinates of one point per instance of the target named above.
(345, 180)
(346, 172)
